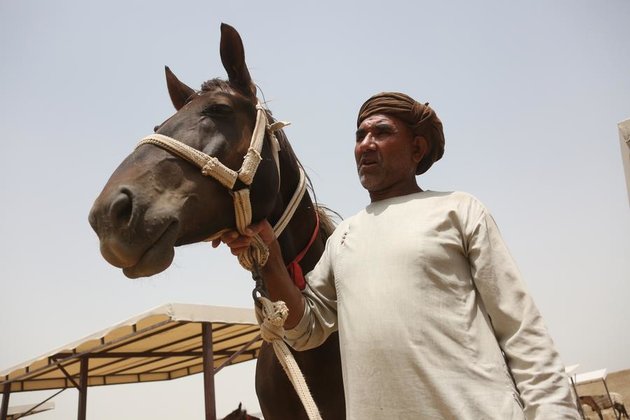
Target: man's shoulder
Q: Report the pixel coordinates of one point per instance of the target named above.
(447, 199)
(442, 202)
(461, 202)
(449, 195)
(460, 197)
(443, 205)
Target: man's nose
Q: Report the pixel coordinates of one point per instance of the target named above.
(368, 142)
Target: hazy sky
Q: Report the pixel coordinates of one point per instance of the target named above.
(530, 94)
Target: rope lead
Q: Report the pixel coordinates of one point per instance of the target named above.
(274, 314)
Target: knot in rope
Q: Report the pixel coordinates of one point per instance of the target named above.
(273, 316)
(257, 254)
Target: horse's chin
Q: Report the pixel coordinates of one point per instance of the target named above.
(157, 258)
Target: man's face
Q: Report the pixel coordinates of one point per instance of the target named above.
(387, 154)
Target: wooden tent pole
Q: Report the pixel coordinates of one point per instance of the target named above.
(6, 392)
(83, 387)
(208, 371)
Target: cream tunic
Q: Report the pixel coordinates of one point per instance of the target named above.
(415, 285)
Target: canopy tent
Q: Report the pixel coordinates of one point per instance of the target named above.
(20, 411)
(168, 342)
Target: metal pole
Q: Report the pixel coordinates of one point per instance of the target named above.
(6, 392)
(83, 386)
(208, 371)
(577, 399)
(612, 404)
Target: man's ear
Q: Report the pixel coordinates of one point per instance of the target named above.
(420, 148)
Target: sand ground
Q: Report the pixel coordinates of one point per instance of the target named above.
(618, 382)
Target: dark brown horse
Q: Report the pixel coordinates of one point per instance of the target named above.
(239, 414)
(155, 201)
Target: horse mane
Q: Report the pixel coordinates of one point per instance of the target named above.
(327, 217)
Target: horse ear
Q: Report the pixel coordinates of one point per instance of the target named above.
(233, 59)
(178, 91)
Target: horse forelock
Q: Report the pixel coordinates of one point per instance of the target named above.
(216, 84)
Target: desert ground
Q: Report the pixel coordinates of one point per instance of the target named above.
(618, 382)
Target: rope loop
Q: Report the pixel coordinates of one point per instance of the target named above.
(257, 254)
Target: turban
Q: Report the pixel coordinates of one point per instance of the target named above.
(419, 117)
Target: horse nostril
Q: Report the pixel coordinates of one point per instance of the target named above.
(121, 208)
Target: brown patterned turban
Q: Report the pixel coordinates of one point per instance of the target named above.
(420, 117)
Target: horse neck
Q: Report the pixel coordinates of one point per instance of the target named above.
(299, 230)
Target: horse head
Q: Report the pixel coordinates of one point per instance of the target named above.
(155, 200)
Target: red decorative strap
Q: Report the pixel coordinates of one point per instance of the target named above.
(295, 271)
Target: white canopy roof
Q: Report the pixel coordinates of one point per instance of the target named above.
(20, 411)
(161, 344)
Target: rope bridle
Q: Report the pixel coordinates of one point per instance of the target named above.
(212, 166)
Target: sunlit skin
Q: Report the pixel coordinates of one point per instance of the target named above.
(387, 154)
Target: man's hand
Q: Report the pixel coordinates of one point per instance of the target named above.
(240, 243)
(278, 282)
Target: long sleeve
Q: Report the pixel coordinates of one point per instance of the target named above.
(320, 310)
(518, 326)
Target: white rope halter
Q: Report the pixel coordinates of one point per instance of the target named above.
(211, 166)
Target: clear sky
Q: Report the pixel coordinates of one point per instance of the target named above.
(530, 94)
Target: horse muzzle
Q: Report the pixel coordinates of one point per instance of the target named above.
(132, 235)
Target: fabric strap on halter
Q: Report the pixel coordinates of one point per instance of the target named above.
(211, 166)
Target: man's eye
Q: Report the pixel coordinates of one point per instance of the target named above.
(218, 110)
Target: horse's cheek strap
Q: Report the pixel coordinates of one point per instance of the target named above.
(258, 253)
(242, 209)
(250, 166)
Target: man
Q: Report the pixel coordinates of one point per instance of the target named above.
(434, 321)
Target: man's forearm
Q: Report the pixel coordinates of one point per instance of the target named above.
(281, 287)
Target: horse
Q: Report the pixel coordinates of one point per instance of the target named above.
(156, 200)
(239, 414)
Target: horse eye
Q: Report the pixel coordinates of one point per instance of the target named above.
(217, 110)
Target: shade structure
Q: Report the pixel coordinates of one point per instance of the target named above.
(20, 411)
(167, 342)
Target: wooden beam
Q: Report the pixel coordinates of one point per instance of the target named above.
(83, 387)
(208, 371)
(6, 393)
